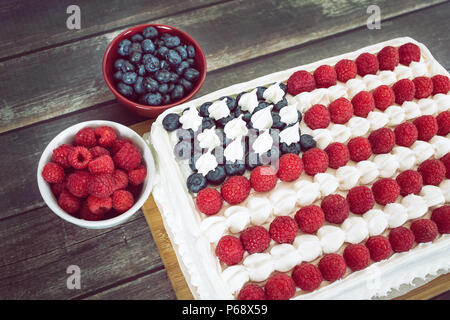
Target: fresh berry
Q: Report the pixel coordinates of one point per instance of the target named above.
(341, 110)
(310, 218)
(325, 76)
(77, 183)
(85, 138)
(118, 144)
(252, 292)
(446, 162)
(441, 84)
(236, 168)
(86, 214)
(279, 287)
(196, 182)
(359, 149)
(101, 185)
(379, 248)
(128, 157)
(68, 202)
(408, 52)
(315, 160)
(384, 97)
(432, 171)
(307, 142)
(290, 167)
(405, 134)
(345, 70)
(120, 179)
(216, 176)
(388, 58)
(102, 164)
(122, 200)
(424, 87)
(363, 103)
(332, 267)
(99, 206)
(401, 239)
(61, 155)
(283, 229)
(385, 191)
(138, 175)
(443, 122)
(263, 178)
(410, 182)
(425, 230)
(404, 90)
(441, 216)
(235, 189)
(317, 117)
(229, 250)
(357, 256)
(98, 151)
(367, 64)
(360, 199)
(255, 239)
(335, 208)
(307, 276)
(105, 136)
(300, 81)
(58, 188)
(209, 201)
(338, 155)
(382, 140)
(53, 173)
(79, 158)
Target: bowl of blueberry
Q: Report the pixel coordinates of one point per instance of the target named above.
(152, 67)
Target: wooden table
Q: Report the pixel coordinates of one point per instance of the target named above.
(50, 78)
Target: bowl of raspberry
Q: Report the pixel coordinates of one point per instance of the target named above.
(96, 174)
(152, 67)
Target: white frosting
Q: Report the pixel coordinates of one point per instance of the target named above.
(208, 139)
(259, 266)
(327, 183)
(190, 119)
(238, 218)
(405, 157)
(422, 150)
(387, 164)
(377, 221)
(285, 257)
(263, 142)
(235, 277)
(358, 126)
(397, 214)
(442, 100)
(262, 119)
(260, 209)
(355, 229)
(441, 146)
(355, 86)
(206, 163)
(308, 246)
(372, 81)
(249, 101)
(387, 77)
(348, 177)
(418, 69)
(234, 150)
(427, 106)
(322, 137)
(396, 115)
(219, 109)
(307, 192)
(290, 135)
(235, 128)
(368, 171)
(283, 200)
(213, 228)
(445, 189)
(377, 119)
(403, 72)
(331, 238)
(274, 93)
(411, 109)
(432, 195)
(340, 133)
(337, 91)
(289, 114)
(415, 206)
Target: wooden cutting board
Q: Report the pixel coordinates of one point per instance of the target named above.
(429, 290)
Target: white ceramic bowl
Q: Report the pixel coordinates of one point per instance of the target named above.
(67, 136)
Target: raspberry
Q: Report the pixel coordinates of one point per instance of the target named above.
(360, 199)
(102, 164)
(325, 76)
(441, 84)
(99, 206)
(290, 167)
(209, 201)
(338, 155)
(120, 179)
(105, 136)
(359, 149)
(279, 287)
(101, 185)
(283, 229)
(122, 200)
(401, 239)
(86, 214)
(118, 144)
(357, 256)
(379, 248)
(59, 187)
(424, 87)
(263, 178)
(315, 160)
(446, 161)
(138, 175)
(307, 276)
(98, 151)
(53, 173)
(441, 216)
(77, 183)
(345, 70)
(79, 158)
(85, 138)
(310, 218)
(388, 58)
(367, 64)
(383, 97)
(255, 239)
(229, 250)
(425, 230)
(404, 90)
(252, 292)
(235, 189)
(341, 110)
(135, 190)
(69, 202)
(128, 157)
(335, 208)
(432, 171)
(300, 81)
(317, 117)
(385, 191)
(408, 52)
(405, 134)
(443, 122)
(60, 155)
(382, 140)
(332, 267)
(363, 103)
(410, 182)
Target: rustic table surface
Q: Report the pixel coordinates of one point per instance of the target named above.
(50, 78)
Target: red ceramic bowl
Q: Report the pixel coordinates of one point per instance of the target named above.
(111, 55)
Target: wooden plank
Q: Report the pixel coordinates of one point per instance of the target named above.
(38, 88)
(431, 289)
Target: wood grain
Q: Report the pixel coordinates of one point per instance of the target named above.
(38, 88)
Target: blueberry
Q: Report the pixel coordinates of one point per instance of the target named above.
(191, 51)
(172, 42)
(150, 32)
(292, 148)
(137, 37)
(171, 122)
(177, 93)
(125, 89)
(118, 75)
(277, 124)
(171, 87)
(162, 76)
(138, 86)
(173, 57)
(204, 109)
(164, 65)
(307, 142)
(246, 116)
(153, 99)
(183, 66)
(230, 101)
(281, 104)
(190, 61)
(162, 52)
(223, 121)
(135, 57)
(148, 46)
(236, 168)
(252, 160)
(260, 106)
(174, 77)
(163, 88)
(283, 87)
(135, 47)
(299, 116)
(182, 52)
(127, 66)
(151, 63)
(124, 47)
(183, 150)
(166, 99)
(118, 64)
(260, 92)
(196, 182)
(141, 70)
(191, 74)
(217, 176)
(150, 84)
(186, 84)
(207, 123)
(164, 36)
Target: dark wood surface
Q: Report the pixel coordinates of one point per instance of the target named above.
(50, 78)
